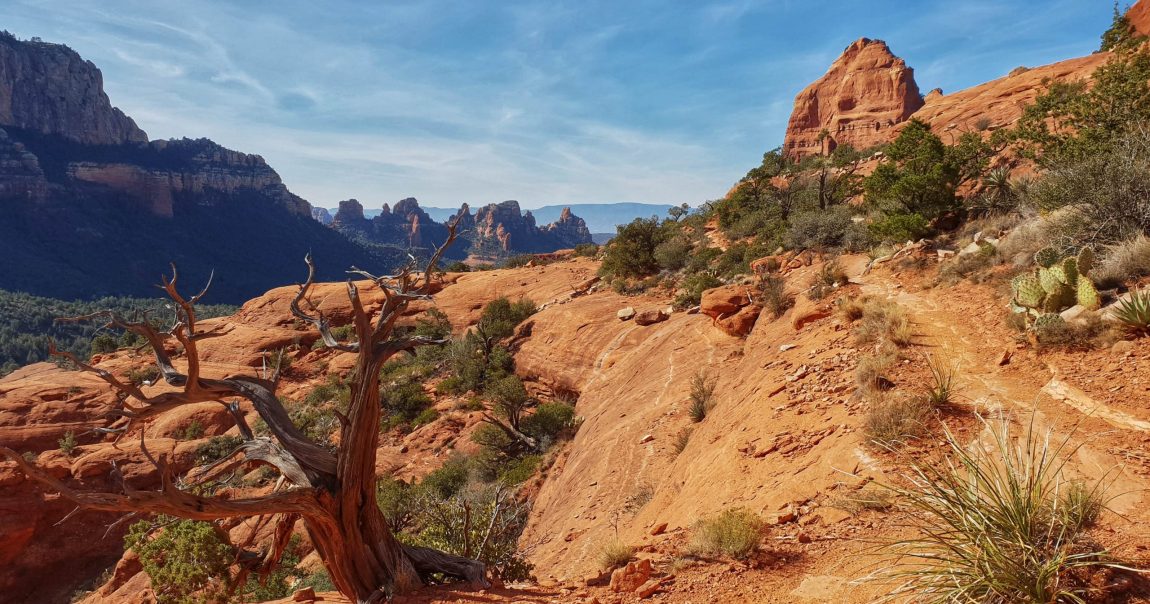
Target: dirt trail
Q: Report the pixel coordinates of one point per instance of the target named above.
(951, 326)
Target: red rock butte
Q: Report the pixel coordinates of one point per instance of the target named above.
(866, 93)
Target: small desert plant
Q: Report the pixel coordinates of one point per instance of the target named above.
(891, 420)
(1134, 312)
(682, 438)
(702, 390)
(830, 276)
(193, 431)
(775, 297)
(1089, 332)
(1127, 260)
(851, 308)
(67, 443)
(615, 554)
(867, 498)
(140, 376)
(996, 523)
(735, 533)
(868, 374)
(884, 320)
(940, 392)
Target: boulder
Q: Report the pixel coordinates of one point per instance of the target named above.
(742, 322)
(631, 577)
(650, 317)
(724, 300)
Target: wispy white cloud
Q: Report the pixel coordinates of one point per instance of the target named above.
(591, 101)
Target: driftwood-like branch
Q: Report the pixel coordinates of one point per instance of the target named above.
(172, 501)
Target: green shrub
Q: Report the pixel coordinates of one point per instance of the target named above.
(631, 253)
(425, 417)
(216, 448)
(672, 254)
(694, 286)
(548, 421)
(139, 375)
(457, 267)
(104, 343)
(587, 250)
(193, 431)
(898, 228)
(67, 443)
(735, 533)
(518, 261)
(187, 560)
(521, 470)
(819, 229)
(450, 478)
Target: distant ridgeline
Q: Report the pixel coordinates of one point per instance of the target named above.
(493, 231)
(89, 207)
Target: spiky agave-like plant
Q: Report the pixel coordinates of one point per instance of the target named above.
(995, 523)
(1134, 312)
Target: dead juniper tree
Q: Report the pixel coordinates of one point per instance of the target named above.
(334, 493)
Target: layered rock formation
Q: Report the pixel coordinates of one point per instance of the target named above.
(501, 228)
(51, 89)
(494, 230)
(865, 93)
(85, 197)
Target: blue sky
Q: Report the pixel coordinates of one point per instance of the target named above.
(545, 102)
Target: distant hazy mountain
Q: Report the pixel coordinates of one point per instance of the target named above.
(600, 217)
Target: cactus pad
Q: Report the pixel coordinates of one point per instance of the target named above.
(1028, 291)
(1087, 294)
(1049, 280)
(1047, 321)
(1085, 260)
(1069, 269)
(1046, 257)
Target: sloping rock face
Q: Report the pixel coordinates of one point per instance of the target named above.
(1139, 17)
(865, 93)
(51, 89)
(83, 193)
(999, 103)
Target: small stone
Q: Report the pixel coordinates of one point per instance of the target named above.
(659, 529)
(1122, 347)
(1005, 358)
(786, 347)
(306, 594)
(626, 314)
(804, 538)
(649, 588)
(646, 439)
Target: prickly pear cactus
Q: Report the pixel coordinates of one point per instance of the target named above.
(1046, 257)
(1055, 285)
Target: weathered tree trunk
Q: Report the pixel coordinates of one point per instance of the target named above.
(334, 494)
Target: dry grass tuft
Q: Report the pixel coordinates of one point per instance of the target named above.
(883, 321)
(615, 554)
(892, 419)
(735, 533)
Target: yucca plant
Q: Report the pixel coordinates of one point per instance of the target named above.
(942, 377)
(1134, 312)
(997, 523)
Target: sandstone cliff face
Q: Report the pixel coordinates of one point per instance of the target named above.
(503, 229)
(865, 93)
(51, 89)
(406, 225)
(85, 197)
